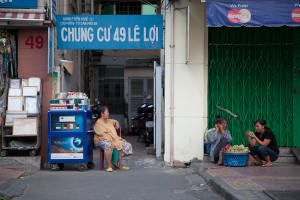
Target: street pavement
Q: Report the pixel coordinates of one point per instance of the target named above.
(149, 178)
(153, 183)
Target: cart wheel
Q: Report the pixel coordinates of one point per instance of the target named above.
(4, 153)
(90, 165)
(33, 153)
(54, 167)
(61, 166)
(82, 167)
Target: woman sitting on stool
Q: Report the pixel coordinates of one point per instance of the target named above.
(106, 137)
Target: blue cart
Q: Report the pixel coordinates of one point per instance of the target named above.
(70, 138)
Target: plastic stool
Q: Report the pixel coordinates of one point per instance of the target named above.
(102, 155)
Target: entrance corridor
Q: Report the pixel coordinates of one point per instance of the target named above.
(139, 158)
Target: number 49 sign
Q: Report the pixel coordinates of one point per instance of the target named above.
(34, 42)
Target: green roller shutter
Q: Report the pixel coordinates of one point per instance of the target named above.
(296, 94)
(251, 73)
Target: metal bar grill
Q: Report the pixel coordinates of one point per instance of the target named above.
(251, 74)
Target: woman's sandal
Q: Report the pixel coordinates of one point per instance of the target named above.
(268, 165)
(109, 169)
(125, 168)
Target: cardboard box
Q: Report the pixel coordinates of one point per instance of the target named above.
(15, 104)
(26, 126)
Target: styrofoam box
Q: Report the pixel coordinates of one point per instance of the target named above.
(14, 83)
(25, 126)
(10, 116)
(35, 81)
(30, 91)
(13, 92)
(24, 82)
(31, 105)
(15, 104)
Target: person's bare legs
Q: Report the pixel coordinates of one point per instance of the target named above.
(268, 161)
(117, 165)
(107, 156)
(251, 161)
(258, 160)
(220, 161)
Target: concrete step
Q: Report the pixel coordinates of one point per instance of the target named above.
(285, 151)
(286, 159)
(296, 152)
(206, 158)
(285, 156)
(27, 164)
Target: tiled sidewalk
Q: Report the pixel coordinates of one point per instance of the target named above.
(281, 176)
(252, 180)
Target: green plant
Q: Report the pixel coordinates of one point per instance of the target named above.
(3, 198)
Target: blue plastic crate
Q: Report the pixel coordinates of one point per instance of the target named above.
(206, 147)
(235, 159)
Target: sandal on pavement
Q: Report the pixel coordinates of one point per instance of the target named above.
(109, 169)
(268, 165)
(125, 168)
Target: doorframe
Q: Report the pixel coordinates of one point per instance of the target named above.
(144, 95)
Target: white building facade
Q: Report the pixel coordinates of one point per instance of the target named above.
(186, 77)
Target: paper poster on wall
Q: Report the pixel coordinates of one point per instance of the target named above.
(55, 83)
(50, 50)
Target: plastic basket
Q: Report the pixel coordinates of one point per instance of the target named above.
(235, 159)
(206, 147)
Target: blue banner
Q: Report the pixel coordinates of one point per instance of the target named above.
(109, 31)
(253, 13)
(18, 4)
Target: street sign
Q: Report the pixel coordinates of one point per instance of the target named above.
(110, 31)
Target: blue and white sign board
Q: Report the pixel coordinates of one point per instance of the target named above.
(109, 31)
(18, 3)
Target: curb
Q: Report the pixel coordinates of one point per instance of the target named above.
(225, 190)
(12, 188)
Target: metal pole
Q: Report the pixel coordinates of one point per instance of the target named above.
(172, 30)
(158, 109)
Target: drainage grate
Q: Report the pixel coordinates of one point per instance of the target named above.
(283, 195)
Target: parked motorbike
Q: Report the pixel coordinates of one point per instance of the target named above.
(145, 123)
(95, 109)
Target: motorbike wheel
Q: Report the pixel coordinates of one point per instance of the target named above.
(142, 132)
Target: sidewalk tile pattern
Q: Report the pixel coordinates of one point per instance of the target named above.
(279, 177)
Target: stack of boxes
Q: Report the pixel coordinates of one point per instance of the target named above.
(24, 106)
